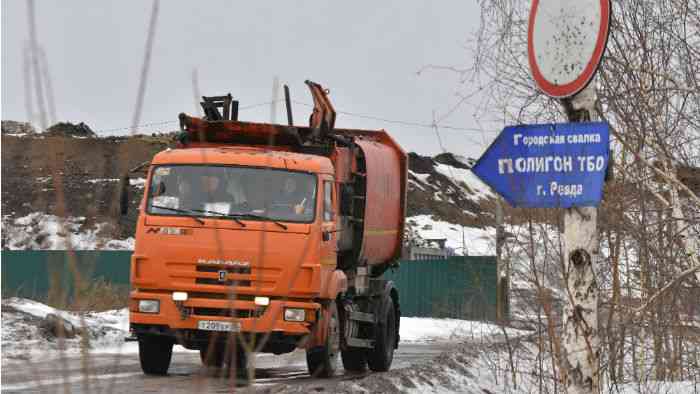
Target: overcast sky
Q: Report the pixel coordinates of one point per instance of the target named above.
(366, 53)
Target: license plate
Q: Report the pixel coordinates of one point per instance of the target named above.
(215, 325)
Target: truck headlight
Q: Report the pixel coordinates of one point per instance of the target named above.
(179, 296)
(294, 314)
(149, 306)
(262, 301)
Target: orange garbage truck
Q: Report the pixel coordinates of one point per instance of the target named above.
(256, 237)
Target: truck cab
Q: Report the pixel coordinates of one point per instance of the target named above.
(244, 247)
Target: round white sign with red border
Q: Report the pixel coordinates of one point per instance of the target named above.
(565, 42)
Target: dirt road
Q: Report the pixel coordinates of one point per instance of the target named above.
(121, 373)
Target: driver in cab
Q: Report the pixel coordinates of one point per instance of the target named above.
(212, 190)
(292, 195)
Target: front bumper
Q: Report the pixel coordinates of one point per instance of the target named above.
(252, 318)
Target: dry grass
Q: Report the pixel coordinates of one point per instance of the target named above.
(93, 296)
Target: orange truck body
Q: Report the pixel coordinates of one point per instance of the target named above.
(225, 266)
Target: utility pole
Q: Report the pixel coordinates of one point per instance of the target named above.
(46, 75)
(145, 66)
(34, 60)
(273, 102)
(28, 97)
(195, 91)
(580, 358)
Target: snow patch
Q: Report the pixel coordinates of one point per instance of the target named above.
(422, 329)
(40, 231)
(102, 180)
(421, 177)
(23, 338)
(476, 241)
(138, 183)
(479, 190)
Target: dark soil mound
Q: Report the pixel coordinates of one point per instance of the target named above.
(67, 129)
(68, 176)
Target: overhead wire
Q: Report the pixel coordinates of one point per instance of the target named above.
(347, 113)
(402, 122)
(152, 124)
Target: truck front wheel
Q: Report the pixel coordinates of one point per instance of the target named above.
(354, 360)
(379, 359)
(212, 356)
(155, 353)
(323, 360)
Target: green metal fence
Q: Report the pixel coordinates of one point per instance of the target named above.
(36, 274)
(460, 287)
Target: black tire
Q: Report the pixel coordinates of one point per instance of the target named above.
(239, 363)
(379, 359)
(155, 353)
(322, 361)
(354, 360)
(212, 356)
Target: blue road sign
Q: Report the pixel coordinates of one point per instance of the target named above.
(549, 165)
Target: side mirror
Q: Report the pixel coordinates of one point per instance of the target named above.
(124, 197)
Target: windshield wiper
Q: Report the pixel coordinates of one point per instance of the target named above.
(223, 215)
(200, 221)
(260, 217)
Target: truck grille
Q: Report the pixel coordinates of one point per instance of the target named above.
(241, 284)
(238, 280)
(229, 283)
(222, 296)
(231, 270)
(240, 313)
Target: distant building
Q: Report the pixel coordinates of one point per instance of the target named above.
(429, 249)
(420, 253)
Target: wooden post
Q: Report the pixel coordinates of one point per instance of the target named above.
(580, 361)
(503, 274)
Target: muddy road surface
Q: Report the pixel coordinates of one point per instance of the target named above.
(121, 373)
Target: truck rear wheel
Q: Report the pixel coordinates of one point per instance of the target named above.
(379, 359)
(323, 360)
(155, 353)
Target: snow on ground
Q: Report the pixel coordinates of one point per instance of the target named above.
(40, 231)
(478, 363)
(23, 338)
(421, 177)
(136, 182)
(102, 180)
(478, 242)
(466, 178)
(421, 329)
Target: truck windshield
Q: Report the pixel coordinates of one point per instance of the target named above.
(241, 192)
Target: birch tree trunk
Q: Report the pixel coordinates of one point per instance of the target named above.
(581, 350)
